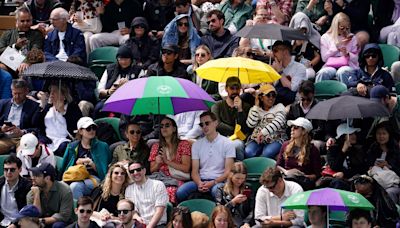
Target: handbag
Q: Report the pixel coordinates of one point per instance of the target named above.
(327, 171)
(78, 173)
(337, 62)
(177, 174)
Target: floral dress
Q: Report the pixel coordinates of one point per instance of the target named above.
(184, 148)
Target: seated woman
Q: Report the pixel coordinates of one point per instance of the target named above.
(384, 154)
(171, 156)
(298, 157)
(221, 217)
(135, 149)
(88, 151)
(107, 195)
(339, 51)
(180, 217)
(235, 196)
(268, 121)
(181, 32)
(57, 118)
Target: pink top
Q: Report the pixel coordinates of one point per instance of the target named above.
(329, 49)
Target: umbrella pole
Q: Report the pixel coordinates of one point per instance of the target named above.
(327, 216)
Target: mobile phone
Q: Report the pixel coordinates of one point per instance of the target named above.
(259, 220)
(380, 160)
(21, 34)
(247, 192)
(8, 123)
(154, 32)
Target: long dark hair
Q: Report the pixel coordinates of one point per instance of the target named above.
(186, 217)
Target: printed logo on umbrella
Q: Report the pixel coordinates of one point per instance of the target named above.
(298, 198)
(164, 89)
(353, 198)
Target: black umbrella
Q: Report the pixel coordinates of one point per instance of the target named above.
(347, 107)
(59, 70)
(271, 31)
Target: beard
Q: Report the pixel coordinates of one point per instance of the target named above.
(232, 96)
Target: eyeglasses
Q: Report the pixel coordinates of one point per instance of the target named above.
(200, 55)
(87, 211)
(119, 173)
(91, 127)
(306, 99)
(211, 21)
(132, 171)
(180, 24)
(270, 94)
(11, 170)
(167, 52)
(296, 127)
(167, 125)
(272, 186)
(123, 212)
(367, 56)
(205, 123)
(132, 132)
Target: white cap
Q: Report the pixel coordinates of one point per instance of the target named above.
(85, 122)
(28, 144)
(301, 122)
(343, 129)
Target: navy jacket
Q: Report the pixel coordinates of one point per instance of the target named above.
(24, 186)
(74, 44)
(29, 109)
(222, 46)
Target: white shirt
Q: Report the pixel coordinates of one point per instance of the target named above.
(297, 72)
(56, 127)
(46, 156)
(212, 156)
(147, 197)
(9, 207)
(268, 204)
(188, 124)
(62, 55)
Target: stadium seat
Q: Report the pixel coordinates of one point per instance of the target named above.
(202, 205)
(390, 53)
(255, 168)
(98, 69)
(114, 122)
(328, 88)
(103, 55)
(2, 158)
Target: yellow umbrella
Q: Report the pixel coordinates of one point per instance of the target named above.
(248, 70)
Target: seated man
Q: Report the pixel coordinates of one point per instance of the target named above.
(84, 209)
(41, 10)
(53, 198)
(64, 41)
(188, 125)
(212, 159)
(13, 188)
(273, 192)
(33, 153)
(22, 37)
(126, 210)
(236, 13)
(150, 196)
(16, 115)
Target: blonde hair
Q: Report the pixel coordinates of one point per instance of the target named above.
(334, 29)
(303, 156)
(204, 48)
(108, 182)
(237, 167)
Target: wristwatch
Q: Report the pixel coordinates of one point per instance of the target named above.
(42, 221)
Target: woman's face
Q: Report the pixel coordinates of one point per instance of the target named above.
(371, 59)
(202, 56)
(139, 30)
(118, 176)
(133, 133)
(55, 95)
(268, 99)
(124, 62)
(352, 138)
(261, 16)
(183, 25)
(238, 179)
(221, 220)
(296, 132)
(167, 129)
(177, 222)
(382, 136)
(344, 28)
(89, 132)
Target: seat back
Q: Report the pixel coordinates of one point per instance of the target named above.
(2, 158)
(390, 53)
(98, 69)
(114, 122)
(329, 88)
(257, 165)
(103, 55)
(203, 205)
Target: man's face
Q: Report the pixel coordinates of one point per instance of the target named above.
(360, 223)
(182, 9)
(11, 172)
(306, 100)
(84, 212)
(19, 94)
(137, 172)
(38, 180)
(278, 53)
(214, 24)
(58, 22)
(233, 91)
(208, 125)
(124, 212)
(276, 187)
(24, 22)
(168, 56)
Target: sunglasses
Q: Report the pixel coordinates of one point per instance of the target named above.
(132, 132)
(91, 127)
(87, 211)
(132, 171)
(205, 123)
(182, 209)
(269, 95)
(123, 212)
(306, 99)
(180, 24)
(363, 179)
(272, 186)
(138, 26)
(367, 56)
(201, 55)
(211, 21)
(296, 127)
(11, 170)
(119, 173)
(167, 52)
(249, 53)
(167, 125)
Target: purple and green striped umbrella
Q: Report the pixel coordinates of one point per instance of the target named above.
(158, 95)
(335, 199)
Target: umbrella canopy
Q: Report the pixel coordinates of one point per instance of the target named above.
(248, 70)
(271, 31)
(158, 95)
(334, 199)
(59, 70)
(346, 107)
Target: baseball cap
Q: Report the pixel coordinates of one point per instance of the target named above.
(378, 92)
(301, 122)
(85, 122)
(267, 88)
(343, 129)
(233, 81)
(28, 211)
(28, 144)
(43, 168)
(171, 47)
